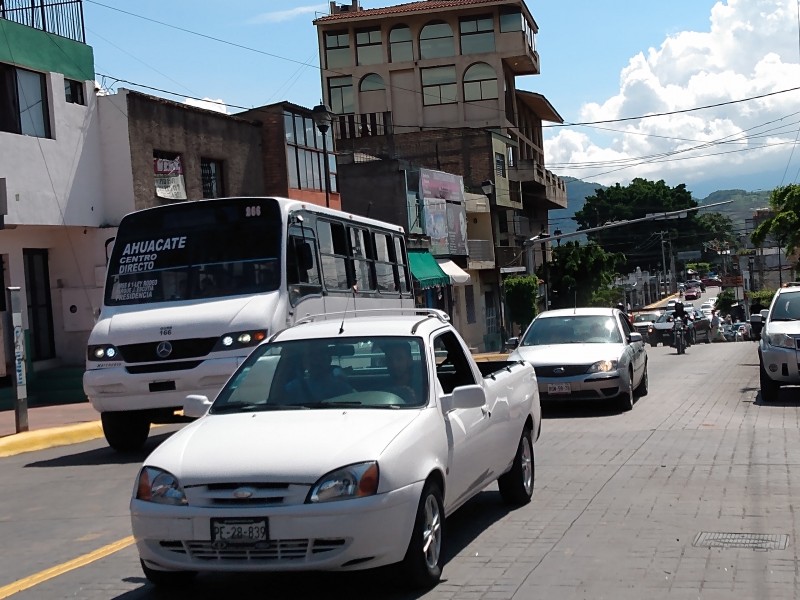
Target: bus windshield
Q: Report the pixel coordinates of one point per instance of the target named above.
(204, 249)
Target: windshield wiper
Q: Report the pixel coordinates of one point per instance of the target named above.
(249, 407)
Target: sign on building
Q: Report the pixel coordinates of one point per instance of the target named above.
(445, 211)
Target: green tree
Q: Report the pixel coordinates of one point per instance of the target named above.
(784, 224)
(577, 273)
(641, 242)
(521, 296)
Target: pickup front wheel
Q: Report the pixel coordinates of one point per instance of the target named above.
(516, 486)
(422, 565)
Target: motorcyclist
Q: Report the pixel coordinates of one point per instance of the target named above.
(680, 313)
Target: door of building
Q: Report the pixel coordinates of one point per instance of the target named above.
(40, 309)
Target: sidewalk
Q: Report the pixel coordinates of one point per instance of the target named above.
(49, 426)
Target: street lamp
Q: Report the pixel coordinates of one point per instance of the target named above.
(323, 118)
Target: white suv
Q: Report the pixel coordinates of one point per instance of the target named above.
(779, 348)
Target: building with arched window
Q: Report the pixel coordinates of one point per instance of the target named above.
(433, 83)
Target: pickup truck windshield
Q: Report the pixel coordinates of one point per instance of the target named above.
(358, 372)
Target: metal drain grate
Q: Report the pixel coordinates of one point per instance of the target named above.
(754, 541)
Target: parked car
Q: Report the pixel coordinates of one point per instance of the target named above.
(742, 332)
(779, 343)
(701, 327)
(706, 308)
(711, 281)
(585, 353)
(311, 457)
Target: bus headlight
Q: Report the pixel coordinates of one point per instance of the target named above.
(103, 352)
(241, 339)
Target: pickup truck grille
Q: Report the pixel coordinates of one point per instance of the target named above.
(561, 370)
(266, 552)
(255, 494)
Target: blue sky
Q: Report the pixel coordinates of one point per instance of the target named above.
(601, 60)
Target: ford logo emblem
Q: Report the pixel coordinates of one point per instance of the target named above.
(243, 492)
(558, 370)
(164, 349)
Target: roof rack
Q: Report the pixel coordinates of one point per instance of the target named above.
(375, 312)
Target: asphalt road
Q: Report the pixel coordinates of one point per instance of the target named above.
(621, 504)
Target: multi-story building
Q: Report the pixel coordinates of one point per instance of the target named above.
(51, 179)
(435, 83)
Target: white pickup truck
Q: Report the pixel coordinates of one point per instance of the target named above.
(339, 444)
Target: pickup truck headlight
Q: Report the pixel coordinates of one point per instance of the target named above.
(603, 366)
(353, 481)
(781, 340)
(159, 486)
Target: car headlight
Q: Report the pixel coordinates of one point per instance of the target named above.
(781, 340)
(159, 486)
(240, 339)
(101, 352)
(353, 481)
(603, 366)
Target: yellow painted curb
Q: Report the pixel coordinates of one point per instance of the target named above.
(39, 439)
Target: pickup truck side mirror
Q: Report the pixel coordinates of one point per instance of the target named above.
(196, 405)
(465, 396)
(635, 336)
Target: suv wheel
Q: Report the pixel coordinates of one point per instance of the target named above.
(769, 388)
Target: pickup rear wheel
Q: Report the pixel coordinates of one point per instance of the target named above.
(516, 486)
(125, 431)
(422, 565)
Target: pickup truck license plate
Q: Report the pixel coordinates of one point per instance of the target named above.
(239, 531)
(558, 388)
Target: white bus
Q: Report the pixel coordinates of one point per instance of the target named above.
(192, 287)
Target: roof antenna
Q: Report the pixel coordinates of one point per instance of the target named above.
(355, 289)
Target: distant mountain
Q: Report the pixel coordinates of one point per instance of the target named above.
(743, 204)
(740, 210)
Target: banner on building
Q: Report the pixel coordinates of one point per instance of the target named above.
(445, 211)
(169, 178)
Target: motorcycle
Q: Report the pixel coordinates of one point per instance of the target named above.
(679, 334)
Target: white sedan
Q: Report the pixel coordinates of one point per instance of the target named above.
(586, 353)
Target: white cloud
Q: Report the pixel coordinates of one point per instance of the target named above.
(279, 16)
(749, 50)
(217, 105)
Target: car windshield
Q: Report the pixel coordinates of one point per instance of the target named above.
(362, 372)
(573, 329)
(645, 317)
(786, 308)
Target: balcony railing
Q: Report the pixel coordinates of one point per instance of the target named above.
(480, 251)
(60, 17)
(348, 127)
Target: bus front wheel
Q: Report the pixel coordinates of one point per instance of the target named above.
(125, 431)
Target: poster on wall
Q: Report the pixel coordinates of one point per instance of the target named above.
(445, 212)
(169, 178)
(436, 225)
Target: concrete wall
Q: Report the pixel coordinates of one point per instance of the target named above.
(117, 171)
(55, 181)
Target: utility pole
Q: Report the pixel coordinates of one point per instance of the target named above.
(663, 265)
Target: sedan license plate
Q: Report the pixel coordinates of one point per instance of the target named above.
(558, 388)
(239, 531)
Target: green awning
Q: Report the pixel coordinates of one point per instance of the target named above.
(426, 270)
